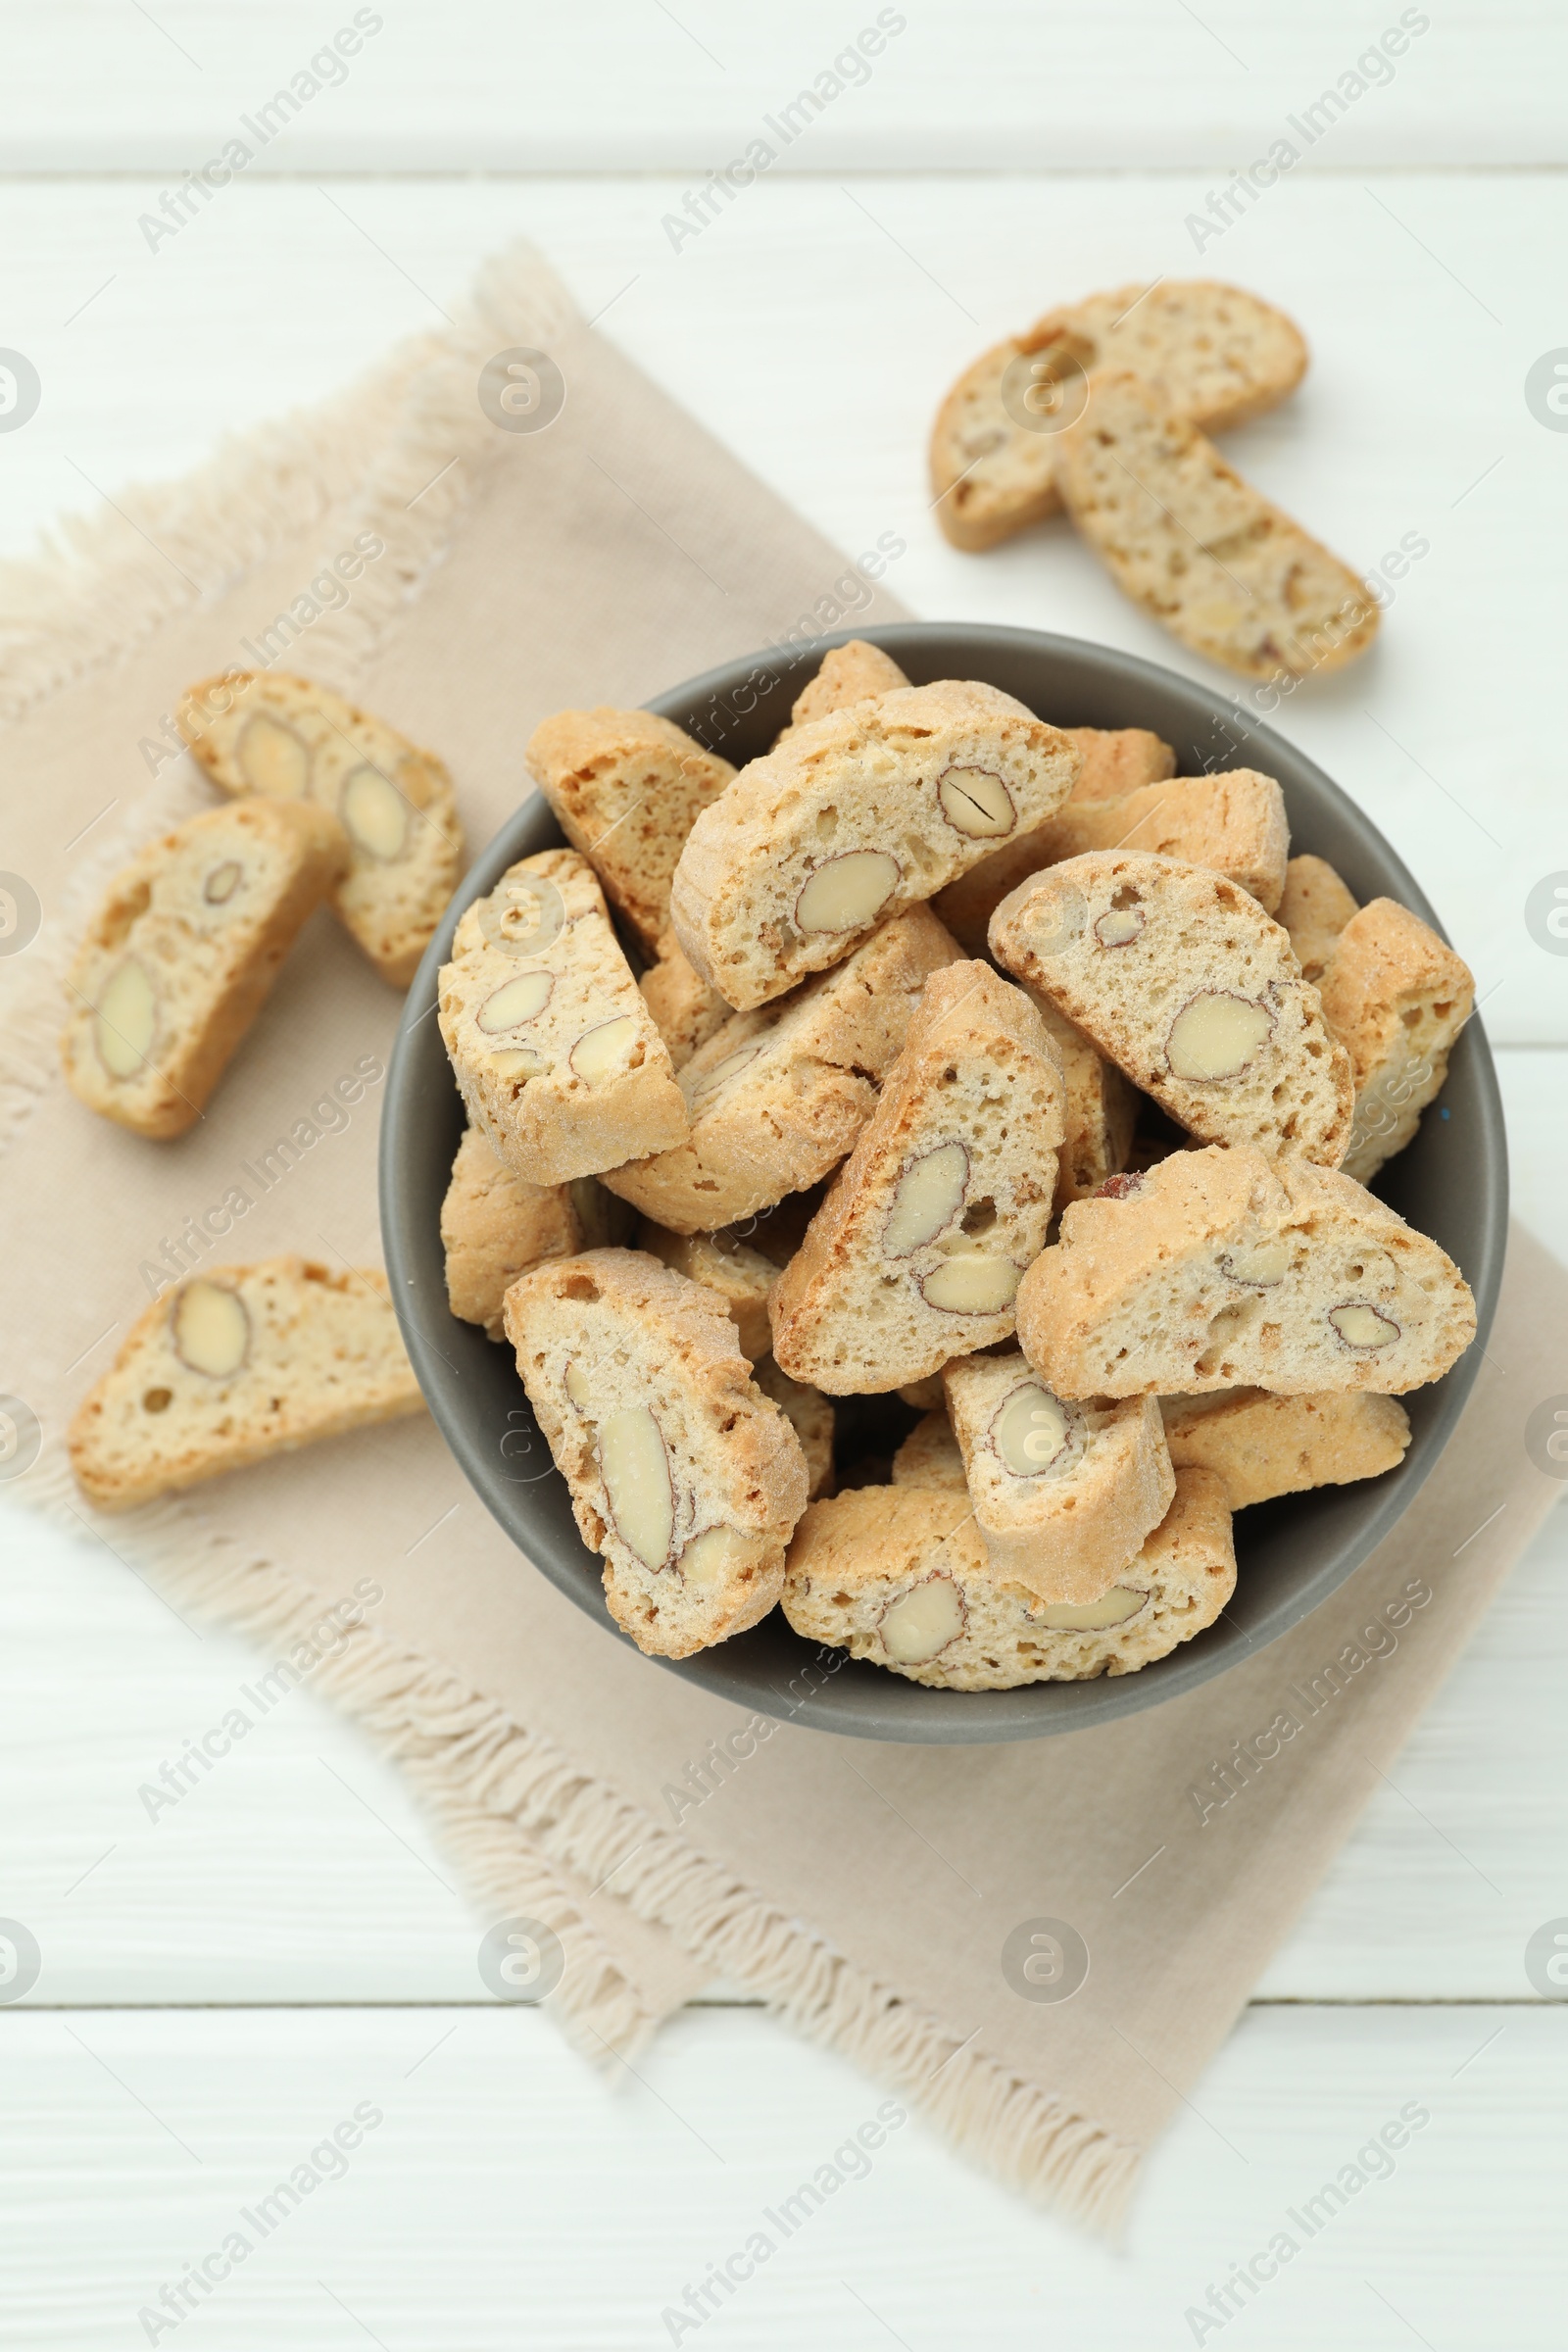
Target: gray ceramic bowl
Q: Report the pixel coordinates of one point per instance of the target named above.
(1451, 1183)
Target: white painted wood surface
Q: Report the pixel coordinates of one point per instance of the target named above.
(509, 2195)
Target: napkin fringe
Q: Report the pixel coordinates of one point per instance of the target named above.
(512, 1809)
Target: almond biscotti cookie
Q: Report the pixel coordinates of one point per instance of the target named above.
(861, 815)
(929, 1455)
(686, 1010)
(1395, 995)
(1218, 355)
(918, 1252)
(1064, 1495)
(627, 788)
(1218, 1270)
(1179, 977)
(1116, 759)
(899, 1576)
(237, 1365)
(849, 673)
(494, 1226)
(1099, 1108)
(1201, 550)
(740, 1275)
(777, 1097)
(288, 739)
(554, 1049)
(1263, 1445)
(1234, 822)
(181, 953)
(809, 1414)
(1314, 909)
(683, 1476)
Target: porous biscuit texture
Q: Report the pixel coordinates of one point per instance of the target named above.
(809, 1414)
(1099, 1107)
(849, 673)
(1264, 1445)
(1219, 1269)
(287, 738)
(233, 1366)
(554, 1049)
(1233, 822)
(494, 1226)
(182, 952)
(861, 815)
(777, 1096)
(1178, 975)
(627, 788)
(1116, 759)
(916, 1253)
(1314, 909)
(686, 1011)
(1215, 353)
(929, 1456)
(900, 1576)
(1204, 554)
(683, 1476)
(732, 1268)
(1063, 1494)
(1397, 997)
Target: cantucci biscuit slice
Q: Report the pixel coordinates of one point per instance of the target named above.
(288, 739)
(494, 1225)
(627, 788)
(861, 815)
(1263, 1445)
(778, 1095)
(1116, 759)
(1179, 977)
(809, 1414)
(929, 1456)
(1201, 550)
(1064, 1495)
(686, 1010)
(1314, 909)
(916, 1253)
(1217, 354)
(900, 1576)
(233, 1366)
(1395, 995)
(683, 1476)
(740, 1275)
(554, 1049)
(849, 673)
(1234, 822)
(1099, 1108)
(1217, 1270)
(182, 952)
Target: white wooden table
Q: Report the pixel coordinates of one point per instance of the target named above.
(228, 1983)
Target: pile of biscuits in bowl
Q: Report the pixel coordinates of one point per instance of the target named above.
(978, 1065)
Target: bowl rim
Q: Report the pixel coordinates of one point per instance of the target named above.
(832, 1708)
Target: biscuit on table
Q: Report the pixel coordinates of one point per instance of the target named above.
(554, 1051)
(1204, 554)
(1219, 1269)
(861, 815)
(1233, 822)
(683, 1476)
(494, 1225)
(916, 1253)
(686, 1011)
(899, 1576)
(182, 952)
(809, 1414)
(233, 1366)
(1264, 1445)
(849, 673)
(626, 787)
(1217, 354)
(1064, 1495)
(929, 1455)
(1180, 978)
(778, 1095)
(1397, 997)
(739, 1274)
(1314, 909)
(289, 739)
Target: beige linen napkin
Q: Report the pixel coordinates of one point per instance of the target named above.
(920, 1909)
